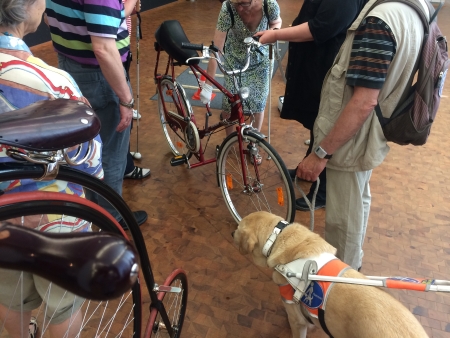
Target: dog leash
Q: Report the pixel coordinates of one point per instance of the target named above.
(311, 204)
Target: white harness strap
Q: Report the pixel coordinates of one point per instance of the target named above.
(267, 248)
(298, 266)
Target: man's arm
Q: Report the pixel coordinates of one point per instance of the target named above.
(355, 113)
(108, 57)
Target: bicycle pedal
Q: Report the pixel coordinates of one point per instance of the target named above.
(178, 160)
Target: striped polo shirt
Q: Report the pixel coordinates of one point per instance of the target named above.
(72, 22)
(373, 49)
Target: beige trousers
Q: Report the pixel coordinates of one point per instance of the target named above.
(347, 213)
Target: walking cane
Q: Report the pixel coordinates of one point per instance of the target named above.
(137, 155)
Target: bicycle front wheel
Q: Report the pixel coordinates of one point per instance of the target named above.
(175, 305)
(172, 102)
(32, 303)
(268, 186)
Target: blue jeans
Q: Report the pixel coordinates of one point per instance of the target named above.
(105, 103)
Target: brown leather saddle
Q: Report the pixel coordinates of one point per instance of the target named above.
(49, 125)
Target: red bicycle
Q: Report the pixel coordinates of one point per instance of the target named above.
(246, 185)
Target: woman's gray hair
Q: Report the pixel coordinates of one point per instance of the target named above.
(14, 12)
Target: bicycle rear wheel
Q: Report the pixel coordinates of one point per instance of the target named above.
(61, 213)
(174, 304)
(269, 186)
(172, 101)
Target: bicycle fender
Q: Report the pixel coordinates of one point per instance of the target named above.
(251, 130)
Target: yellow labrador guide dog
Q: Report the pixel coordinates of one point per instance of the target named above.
(341, 310)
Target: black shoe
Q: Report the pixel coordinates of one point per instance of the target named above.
(300, 203)
(141, 216)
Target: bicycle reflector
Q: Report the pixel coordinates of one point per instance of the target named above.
(280, 196)
(229, 181)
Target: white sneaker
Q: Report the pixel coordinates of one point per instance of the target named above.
(136, 115)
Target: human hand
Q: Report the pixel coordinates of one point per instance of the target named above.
(311, 167)
(206, 93)
(126, 115)
(266, 36)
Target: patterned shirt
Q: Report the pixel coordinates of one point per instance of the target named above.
(72, 22)
(25, 79)
(374, 48)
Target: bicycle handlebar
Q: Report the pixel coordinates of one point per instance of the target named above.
(97, 266)
(250, 42)
(193, 46)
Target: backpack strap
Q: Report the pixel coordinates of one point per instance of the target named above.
(435, 11)
(266, 12)
(230, 11)
(417, 5)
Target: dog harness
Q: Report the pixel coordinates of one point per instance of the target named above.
(267, 248)
(313, 295)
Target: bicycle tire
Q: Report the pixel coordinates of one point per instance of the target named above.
(100, 319)
(172, 100)
(272, 192)
(175, 305)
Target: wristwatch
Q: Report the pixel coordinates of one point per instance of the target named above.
(128, 105)
(322, 153)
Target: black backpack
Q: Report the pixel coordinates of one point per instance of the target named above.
(411, 121)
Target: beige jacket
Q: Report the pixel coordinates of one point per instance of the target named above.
(368, 147)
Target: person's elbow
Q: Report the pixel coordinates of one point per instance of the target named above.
(366, 98)
(102, 47)
(276, 23)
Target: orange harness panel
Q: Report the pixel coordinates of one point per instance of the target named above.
(315, 296)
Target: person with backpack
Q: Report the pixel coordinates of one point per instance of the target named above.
(239, 19)
(314, 40)
(375, 66)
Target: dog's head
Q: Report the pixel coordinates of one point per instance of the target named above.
(252, 234)
(295, 241)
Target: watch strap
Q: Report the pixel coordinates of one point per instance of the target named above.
(129, 104)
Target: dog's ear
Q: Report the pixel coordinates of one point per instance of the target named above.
(247, 242)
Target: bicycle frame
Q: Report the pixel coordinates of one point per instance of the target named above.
(237, 113)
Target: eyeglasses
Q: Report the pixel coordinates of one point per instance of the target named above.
(242, 4)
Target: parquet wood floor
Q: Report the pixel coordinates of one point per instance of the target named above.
(189, 225)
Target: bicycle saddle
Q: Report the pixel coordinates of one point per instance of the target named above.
(49, 125)
(93, 265)
(169, 36)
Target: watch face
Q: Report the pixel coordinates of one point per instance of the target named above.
(320, 152)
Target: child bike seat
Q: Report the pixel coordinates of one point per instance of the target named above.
(49, 125)
(169, 36)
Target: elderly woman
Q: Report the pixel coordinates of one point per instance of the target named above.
(22, 82)
(237, 20)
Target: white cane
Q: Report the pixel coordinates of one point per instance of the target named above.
(270, 87)
(137, 155)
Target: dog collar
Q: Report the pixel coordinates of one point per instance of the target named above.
(267, 248)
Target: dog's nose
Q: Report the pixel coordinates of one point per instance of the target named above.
(232, 234)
